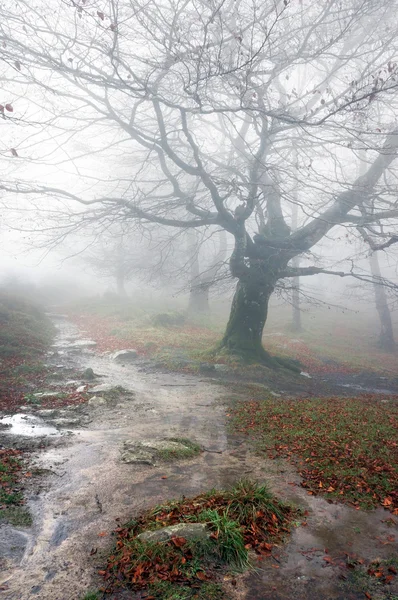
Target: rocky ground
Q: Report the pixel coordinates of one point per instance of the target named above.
(99, 461)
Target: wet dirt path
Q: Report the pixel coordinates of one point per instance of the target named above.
(90, 488)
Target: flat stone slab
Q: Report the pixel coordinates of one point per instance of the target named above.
(128, 355)
(189, 531)
(148, 451)
(97, 401)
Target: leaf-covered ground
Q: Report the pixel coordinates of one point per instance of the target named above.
(245, 518)
(344, 448)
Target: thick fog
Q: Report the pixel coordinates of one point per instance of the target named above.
(149, 153)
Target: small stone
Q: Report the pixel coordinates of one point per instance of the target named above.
(103, 387)
(88, 374)
(97, 401)
(124, 355)
(81, 389)
(304, 374)
(189, 531)
(65, 422)
(47, 412)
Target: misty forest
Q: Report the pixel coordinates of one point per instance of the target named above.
(199, 300)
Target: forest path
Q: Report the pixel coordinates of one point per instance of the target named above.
(90, 487)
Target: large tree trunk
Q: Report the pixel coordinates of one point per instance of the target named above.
(247, 319)
(386, 338)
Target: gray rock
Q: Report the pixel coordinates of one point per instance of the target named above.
(137, 456)
(49, 395)
(189, 531)
(148, 451)
(103, 387)
(81, 389)
(97, 401)
(47, 412)
(124, 355)
(65, 422)
(83, 344)
(88, 374)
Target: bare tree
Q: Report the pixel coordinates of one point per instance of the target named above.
(194, 96)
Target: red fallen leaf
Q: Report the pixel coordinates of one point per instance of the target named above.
(387, 501)
(28, 474)
(392, 570)
(164, 477)
(201, 575)
(328, 559)
(102, 534)
(179, 541)
(9, 107)
(101, 572)
(275, 566)
(101, 15)
(389, 578)
(379, 574)
(368, 596)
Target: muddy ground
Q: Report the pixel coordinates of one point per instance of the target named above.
(85, 486)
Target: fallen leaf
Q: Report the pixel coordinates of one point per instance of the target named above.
(102, 534)
(179, 541)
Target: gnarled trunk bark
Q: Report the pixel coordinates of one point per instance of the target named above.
(248, 315)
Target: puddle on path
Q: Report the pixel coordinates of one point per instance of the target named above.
(27, 425)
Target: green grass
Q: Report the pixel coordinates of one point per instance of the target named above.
(16, 515)
(91, 596)
(241, 519)
(344, 448)
(190, 450)
(167, 591)
(24, 329)
(230, 542)
(10, 467)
